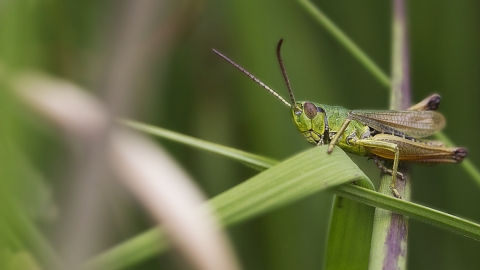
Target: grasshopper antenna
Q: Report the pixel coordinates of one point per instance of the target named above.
(253, 78)
(284, 72)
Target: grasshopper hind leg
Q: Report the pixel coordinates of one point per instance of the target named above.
(430, 103)
(459, 154)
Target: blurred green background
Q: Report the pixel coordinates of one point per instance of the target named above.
(182, 86)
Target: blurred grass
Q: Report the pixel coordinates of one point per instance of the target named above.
(191, 91)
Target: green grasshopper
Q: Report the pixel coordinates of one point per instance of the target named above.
(378, 134)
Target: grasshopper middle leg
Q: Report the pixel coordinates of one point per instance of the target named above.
(386, 170)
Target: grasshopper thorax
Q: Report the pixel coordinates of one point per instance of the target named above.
(312, 121)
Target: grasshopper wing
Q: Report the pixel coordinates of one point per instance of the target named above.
(417, 124)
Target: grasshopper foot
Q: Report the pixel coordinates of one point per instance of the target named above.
(395, 193)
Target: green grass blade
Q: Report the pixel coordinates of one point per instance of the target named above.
(132, 251)
(347, 42)
(252, 160)
(296, 178)
(305, 174)
(413, 210)
(349, 235)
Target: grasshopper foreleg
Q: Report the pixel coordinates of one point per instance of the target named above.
(338, 134)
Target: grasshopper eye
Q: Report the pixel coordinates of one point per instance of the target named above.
(310, 110)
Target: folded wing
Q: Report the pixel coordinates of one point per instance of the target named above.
(416, 124)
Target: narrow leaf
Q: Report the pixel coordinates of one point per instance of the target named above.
(252, 160)
(296, 178)
(412, 210)
(346, 41)
(349, 235)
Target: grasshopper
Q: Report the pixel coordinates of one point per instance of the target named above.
(378, 134)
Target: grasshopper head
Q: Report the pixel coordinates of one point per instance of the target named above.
(311, 121)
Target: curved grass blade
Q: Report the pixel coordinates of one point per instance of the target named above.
(305, 174)
(153, 242)
(255, 161)
(296, 178)
(133, 251)
(346, 41)
(412, 210)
